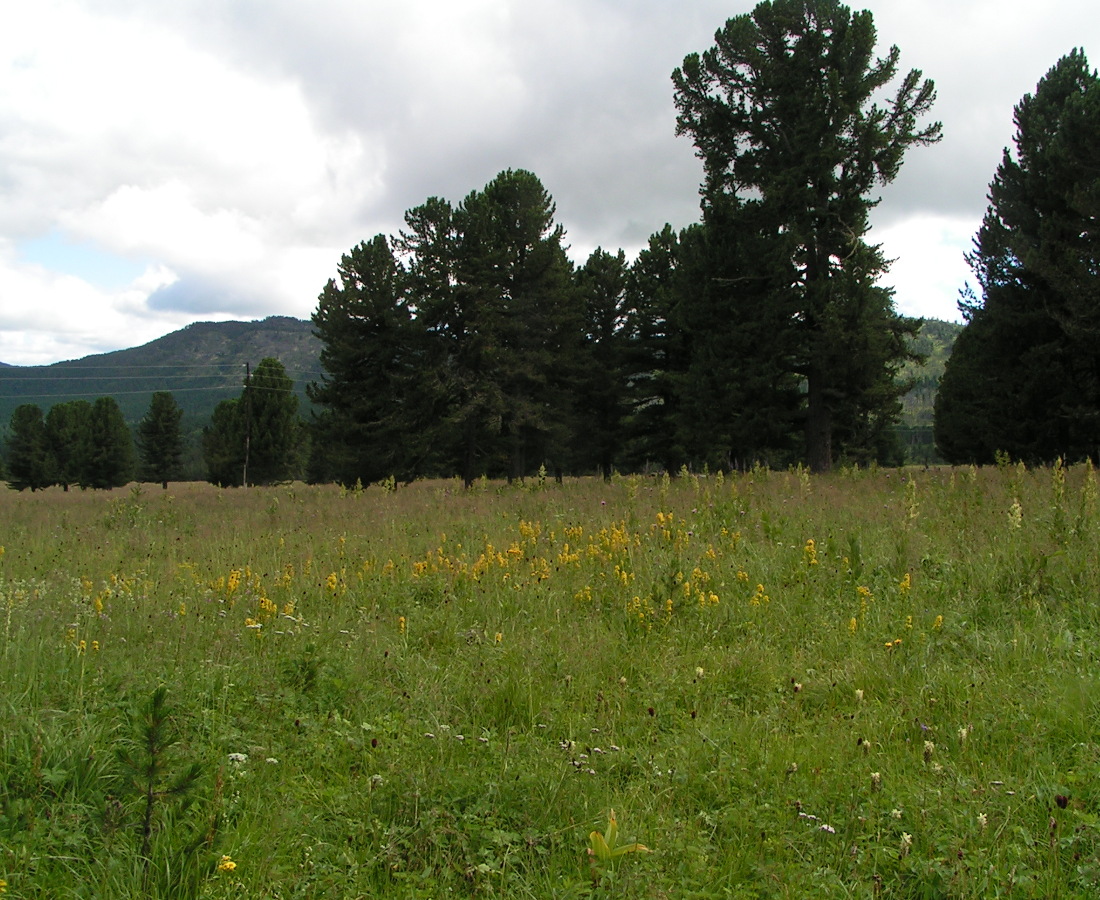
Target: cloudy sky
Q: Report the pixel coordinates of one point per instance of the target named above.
(169, 162)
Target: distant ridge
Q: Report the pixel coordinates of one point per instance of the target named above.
(201, 364)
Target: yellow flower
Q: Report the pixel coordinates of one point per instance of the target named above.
(226, 864)
(401, 624)
(499, 637)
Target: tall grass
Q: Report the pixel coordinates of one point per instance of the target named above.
(867, 684)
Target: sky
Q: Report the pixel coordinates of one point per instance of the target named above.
(163, 163)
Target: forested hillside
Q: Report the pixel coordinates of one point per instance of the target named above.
(934, 342)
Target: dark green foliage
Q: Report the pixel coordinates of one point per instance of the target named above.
(657, 354)
(1024, 377)
(272, 426)
(160, 439)
(108, 459)
(257, 438)
(601, 389)
(459, 355)
(223, 445)
(781, 112)
(29, 463)
(740, 397)
(375, 420)
(68, 428)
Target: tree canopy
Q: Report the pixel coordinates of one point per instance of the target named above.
(783, 114)
(160, 439)
(256, 438)
(1024, 376)
(451, 346)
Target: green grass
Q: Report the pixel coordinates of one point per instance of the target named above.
(433, 692)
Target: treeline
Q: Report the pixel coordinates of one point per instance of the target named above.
(468, 343)
(257, 438)
(1023, 380)
(77, 443)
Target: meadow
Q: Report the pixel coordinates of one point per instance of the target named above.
(875, 683)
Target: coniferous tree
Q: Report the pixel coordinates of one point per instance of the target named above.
(515, 282)
(29, 463)
(109, 459)
(451, 347)
(160, 439)
(68, 429)
(781, 111)
(657, 354)
(223, 444)
(273, 429)
(374, 421)
(601, 389)
(740, 396)
(1024, 374)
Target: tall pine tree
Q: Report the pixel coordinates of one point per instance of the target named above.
(1024, 374)
(29, 462)
(160, 439)
(782, 112)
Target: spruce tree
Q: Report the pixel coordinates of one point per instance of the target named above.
(1024, 375)
(29, 463)
(373, 424)
(160, 439)
(68, 430)
(600, 384)
(109, 461)
(782, 113)
(272, 427)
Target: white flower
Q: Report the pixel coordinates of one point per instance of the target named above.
(699, 672)
(238, 759)
(859, 695)
(983, 820)
(895, 813)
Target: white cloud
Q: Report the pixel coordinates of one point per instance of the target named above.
(928, 269)
(46, 317)
(242, 146)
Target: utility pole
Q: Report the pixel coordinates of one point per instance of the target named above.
(247, 420)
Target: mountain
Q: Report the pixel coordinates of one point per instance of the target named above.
(201, 365)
